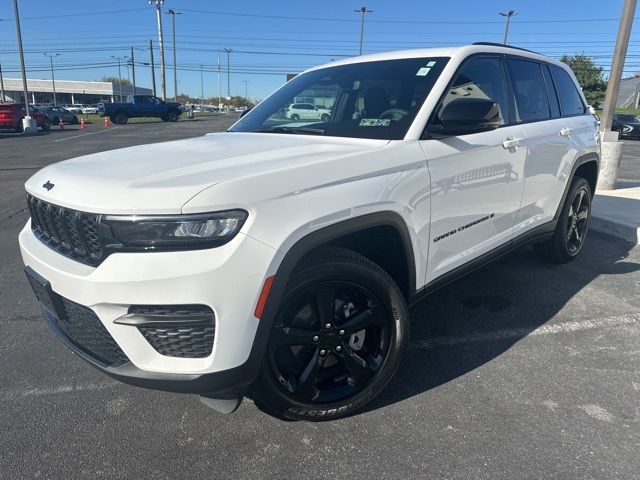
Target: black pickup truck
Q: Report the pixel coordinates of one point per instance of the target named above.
(140, 106)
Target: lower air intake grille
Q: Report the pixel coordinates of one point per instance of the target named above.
(183, 331)
(82, 327)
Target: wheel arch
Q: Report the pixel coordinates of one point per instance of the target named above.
(585, 165)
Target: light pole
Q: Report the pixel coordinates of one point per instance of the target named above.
(119, 78)
(2, 97)
(158, 4)
(133, 70)
(29, 125)
(53, 78)
(363, 11)
(246, 83)
(508, 16)
(228, 50)
(612, 149)
(153, 68)
(173, 14)
(219, 92)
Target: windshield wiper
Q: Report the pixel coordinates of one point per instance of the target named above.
(294, 130)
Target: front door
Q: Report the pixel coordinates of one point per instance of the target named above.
(476, 179)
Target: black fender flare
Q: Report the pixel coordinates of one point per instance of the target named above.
(251, 367)
(589, 157)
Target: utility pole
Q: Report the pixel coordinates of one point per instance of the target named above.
(119, 78)
(228, 50)
(29, 125)
(163, 85)
(133, 70)
(173, 14)
(153, 68)
(53, 78)
(201, 88)
(219, 92)
(508, 16)
(2, 97)
(611, 153)
(362, 11)
(246, 82)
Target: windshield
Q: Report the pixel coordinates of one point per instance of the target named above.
(361, 100)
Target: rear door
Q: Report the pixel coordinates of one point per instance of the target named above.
(548, 141)
(476, 179)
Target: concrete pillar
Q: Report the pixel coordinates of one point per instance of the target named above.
(73, 99)
(33, 97)
(610, 157)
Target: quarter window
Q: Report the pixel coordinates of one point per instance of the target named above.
(570, 99)
(551, 92)
(530, 91)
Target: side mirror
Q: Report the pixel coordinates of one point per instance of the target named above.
(468, 115)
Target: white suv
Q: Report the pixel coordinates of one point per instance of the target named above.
(278, 259)
(307, 111)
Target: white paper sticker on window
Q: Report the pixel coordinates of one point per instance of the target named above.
(423, 72)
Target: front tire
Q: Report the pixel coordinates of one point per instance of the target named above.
(172, 116)
(120, 118)
(337, 340)
(573, 225)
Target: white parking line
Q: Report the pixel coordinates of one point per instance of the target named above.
(85, 134)
(515, 333)
(19, 394)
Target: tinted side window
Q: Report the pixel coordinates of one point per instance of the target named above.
(551, 92)
(479, 78)
(530, 91)
(570, 100)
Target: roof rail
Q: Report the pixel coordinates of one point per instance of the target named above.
(493, 44)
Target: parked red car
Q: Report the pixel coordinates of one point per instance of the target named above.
(11, 115)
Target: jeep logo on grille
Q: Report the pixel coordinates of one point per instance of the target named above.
(48, 185)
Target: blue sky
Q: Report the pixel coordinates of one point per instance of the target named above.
(269, 39)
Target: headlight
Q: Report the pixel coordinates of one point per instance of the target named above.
(171, 232)
(627, 128)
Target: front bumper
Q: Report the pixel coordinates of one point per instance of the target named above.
(228, 279)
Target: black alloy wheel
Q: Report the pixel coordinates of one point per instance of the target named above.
(577, 220)
(120, 118)
(173, 116)
(337, 339)
(571, 230)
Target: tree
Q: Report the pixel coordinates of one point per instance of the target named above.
(589, 76)
(115, 81)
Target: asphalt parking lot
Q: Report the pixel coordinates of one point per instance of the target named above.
(520, 370)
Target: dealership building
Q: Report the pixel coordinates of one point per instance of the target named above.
(68, 91)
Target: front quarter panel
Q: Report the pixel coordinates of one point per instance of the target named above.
(286, 206)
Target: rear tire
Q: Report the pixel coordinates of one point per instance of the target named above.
(337, 340)
(46, 125)
(571, 230)
(295, 116)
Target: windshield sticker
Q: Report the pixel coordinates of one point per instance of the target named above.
(375, 122)
(423, 72)
(431, 63)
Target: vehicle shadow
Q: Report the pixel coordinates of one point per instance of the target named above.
(477, 318)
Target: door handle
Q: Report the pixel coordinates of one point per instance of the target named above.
(511, 142)
(565, 132)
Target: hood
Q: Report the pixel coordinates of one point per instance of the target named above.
(162, 177)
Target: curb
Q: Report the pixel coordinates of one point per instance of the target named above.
(616, 228)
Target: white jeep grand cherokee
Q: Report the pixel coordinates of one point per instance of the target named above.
(277, 259)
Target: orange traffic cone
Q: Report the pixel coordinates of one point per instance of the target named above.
(82, 124)
(61, 125)
(106, 122)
